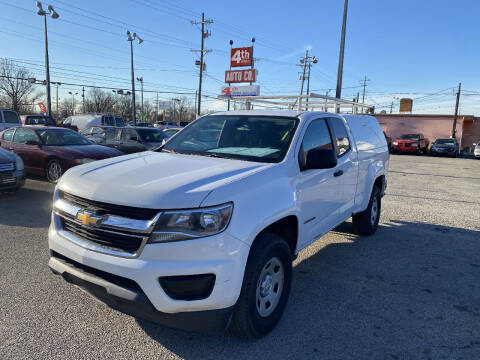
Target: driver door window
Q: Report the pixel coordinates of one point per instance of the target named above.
(317, 136)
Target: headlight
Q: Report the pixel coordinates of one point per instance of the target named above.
(395, 143)
(83, 161)
(175, 225)
(19, 163)
(414, 144)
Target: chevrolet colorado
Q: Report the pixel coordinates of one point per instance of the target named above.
(201, 233)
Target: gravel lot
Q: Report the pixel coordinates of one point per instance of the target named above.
(409, 292)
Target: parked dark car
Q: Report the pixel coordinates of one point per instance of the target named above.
(171, 131)
(129, 139)
(37, 120)
(50, 151)
(446, 146)
(12, 171)
(410, 144)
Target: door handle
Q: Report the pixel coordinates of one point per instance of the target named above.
(338, 173)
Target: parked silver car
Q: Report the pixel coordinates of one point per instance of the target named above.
(12, 171)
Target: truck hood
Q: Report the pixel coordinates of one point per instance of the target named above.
(155, 180)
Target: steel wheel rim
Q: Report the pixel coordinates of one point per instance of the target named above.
(269, 287)
(54, 171)
(374, 213)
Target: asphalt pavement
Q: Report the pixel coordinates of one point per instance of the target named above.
(411, 291)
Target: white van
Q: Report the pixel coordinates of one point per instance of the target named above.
(80, 122)
(8, 118)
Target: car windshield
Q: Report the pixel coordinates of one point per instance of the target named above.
(444, 141)
(410, 137)
(62, 137)
(251, 138)
(151, 135)
(39, 120)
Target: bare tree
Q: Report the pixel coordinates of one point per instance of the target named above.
(124, 107)
(184, 109)
(65, 109)
(99, 101)
(13, 90)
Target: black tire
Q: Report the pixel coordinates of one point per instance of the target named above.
(247, 322)
(366, 222)
(53, 171)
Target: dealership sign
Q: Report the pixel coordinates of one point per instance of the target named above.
(42, 107)
(244, 90)
(238, 76)
(241, 56)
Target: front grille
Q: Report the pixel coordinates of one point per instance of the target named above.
(126, 242)
(110, 209)
(7, 167)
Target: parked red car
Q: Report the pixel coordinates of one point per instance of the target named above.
(50, 151)
(411, 144)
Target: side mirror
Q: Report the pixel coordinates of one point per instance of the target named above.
(321, 159)
(32, 142)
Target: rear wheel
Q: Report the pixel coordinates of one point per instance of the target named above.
(53, 170)
(366, 222)
(265, 289)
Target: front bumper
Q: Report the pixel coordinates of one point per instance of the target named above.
(13, 180)
(476, 153)
(132, 300)
(222, 255)
(404, 149)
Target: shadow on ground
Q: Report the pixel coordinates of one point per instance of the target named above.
(35, 206)
(410, 291)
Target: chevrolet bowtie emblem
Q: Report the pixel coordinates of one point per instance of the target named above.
(87, 218)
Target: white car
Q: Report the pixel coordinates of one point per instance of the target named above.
(202, 232)
(476, 151)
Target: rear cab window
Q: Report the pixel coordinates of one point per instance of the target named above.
(340, 135)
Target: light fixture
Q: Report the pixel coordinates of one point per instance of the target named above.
(53, 13)
(40, 9)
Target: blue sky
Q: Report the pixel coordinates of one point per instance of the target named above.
(411, 48)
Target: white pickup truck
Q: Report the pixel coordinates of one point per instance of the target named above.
(201, 233)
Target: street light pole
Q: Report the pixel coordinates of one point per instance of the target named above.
(54, 15)
(131, 37)
(141, 85)
(73, 101)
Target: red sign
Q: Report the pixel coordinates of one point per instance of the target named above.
(42, 107)
(239, 76)
(241, 56)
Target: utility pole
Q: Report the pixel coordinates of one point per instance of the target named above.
(204, 35)
(83, 99)
(56, 107)
(364, 87)
(306, 62)
(338, 93)
(156, 112)
(454, 128)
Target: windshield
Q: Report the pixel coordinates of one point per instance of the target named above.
(39, 120)
(62, 137)
(444, 141)
(410, 137)
(252, 138)
(151, 135)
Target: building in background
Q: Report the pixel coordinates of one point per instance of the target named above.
(432, 127)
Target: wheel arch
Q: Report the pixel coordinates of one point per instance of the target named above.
(286, 228)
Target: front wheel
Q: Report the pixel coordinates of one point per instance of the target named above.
(53, 171)
(366, 222)
(265, 289)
